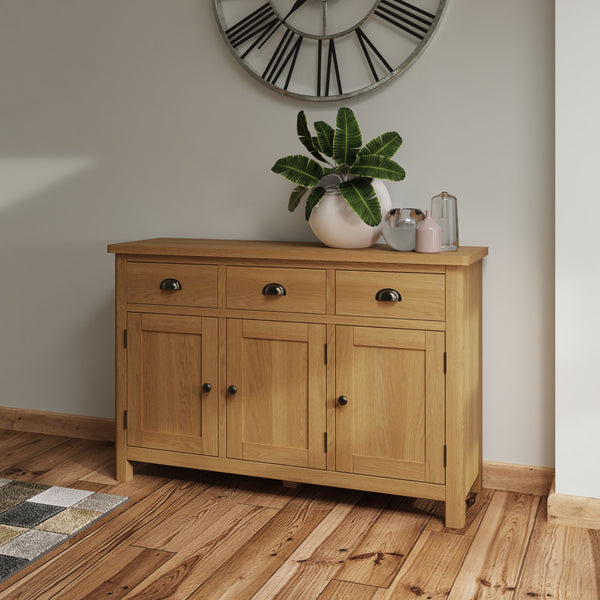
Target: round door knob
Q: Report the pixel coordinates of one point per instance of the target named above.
(343, 400)
(232, 389)
(206, 387)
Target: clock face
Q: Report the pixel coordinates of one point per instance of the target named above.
(326, 49)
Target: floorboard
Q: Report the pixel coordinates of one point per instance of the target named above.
(196, 535)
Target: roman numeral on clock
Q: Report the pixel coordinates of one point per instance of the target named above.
(256, 25)
(282, 56)
(367, 47)
(332, 66)
(406, 16)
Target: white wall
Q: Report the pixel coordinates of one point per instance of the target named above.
(123, 120)
(577, 248)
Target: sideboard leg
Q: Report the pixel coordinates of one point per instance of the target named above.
(476, 487)
(124, 470)
(455, 513)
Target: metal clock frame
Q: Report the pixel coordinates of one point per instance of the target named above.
(410, 59)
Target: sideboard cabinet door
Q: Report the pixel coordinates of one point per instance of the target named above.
(172, 363)
(276, 409)
(390, 403)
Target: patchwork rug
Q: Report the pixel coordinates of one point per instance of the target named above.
(35, 518)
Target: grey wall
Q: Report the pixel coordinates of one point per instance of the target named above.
(124, 119)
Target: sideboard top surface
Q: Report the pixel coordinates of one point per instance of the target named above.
(254, 249)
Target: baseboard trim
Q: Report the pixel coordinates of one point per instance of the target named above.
(52, 423)
(520, 479)
(573, 511)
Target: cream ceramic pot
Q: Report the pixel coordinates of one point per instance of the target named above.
(338, 226)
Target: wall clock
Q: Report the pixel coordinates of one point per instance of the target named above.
(326, 49)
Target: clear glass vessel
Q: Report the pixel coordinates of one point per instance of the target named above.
(399, 228)
(444, 212)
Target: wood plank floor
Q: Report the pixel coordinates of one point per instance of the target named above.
(193, 534)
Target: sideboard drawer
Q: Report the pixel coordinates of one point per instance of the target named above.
(420, 295)
(197, 284)
(278, 289)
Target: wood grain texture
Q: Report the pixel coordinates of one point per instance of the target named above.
(194, 534)
(278, 414)
(384, 429)
(305, 289)
(343, 590)
(169, 360)
(317, 560)
(198, 284)
(296, 251)
(123, 468)
(463, 387)
(562, 563)
(284, 412)
(247, 570)
(573, 511)
(491, 567)
(521, 479)
(422, 295)
(430, 569)
(383, 550)
(61, 424)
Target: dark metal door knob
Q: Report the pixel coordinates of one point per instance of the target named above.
(206, 387)
(232, 389)
(343, 400)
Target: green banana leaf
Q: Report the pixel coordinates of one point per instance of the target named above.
(296, 196)
(363, 200)
(347, 138)
(306, 137)
(313, 199)
(386, 144)
(325, 137)
(379, 167)
(299, 169)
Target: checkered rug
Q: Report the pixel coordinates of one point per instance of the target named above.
(34, 518)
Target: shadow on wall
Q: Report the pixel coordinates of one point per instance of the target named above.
(56, 320)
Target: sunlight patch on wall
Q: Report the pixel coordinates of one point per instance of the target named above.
(22, 178)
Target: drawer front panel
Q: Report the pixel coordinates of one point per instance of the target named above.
(198, 284)
(276, 289)
(422, 295)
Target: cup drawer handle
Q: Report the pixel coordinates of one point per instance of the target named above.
(274, 289)
(170, 284)
(388, 295)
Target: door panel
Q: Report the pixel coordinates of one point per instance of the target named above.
(278, 412)
(393, 424)
(169, 359)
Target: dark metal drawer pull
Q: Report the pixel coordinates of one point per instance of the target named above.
(388, 295)
(170, 284)
(274, 289)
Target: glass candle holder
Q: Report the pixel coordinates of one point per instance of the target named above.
(444, 212)
(399, 228)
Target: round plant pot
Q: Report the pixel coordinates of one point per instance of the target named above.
(338, 226)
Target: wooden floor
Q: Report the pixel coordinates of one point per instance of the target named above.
(191, 534)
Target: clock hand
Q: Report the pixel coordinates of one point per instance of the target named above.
(298, 4)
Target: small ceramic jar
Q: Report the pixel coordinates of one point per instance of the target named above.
(429, 236)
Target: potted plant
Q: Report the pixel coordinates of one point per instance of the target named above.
(344, 192)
